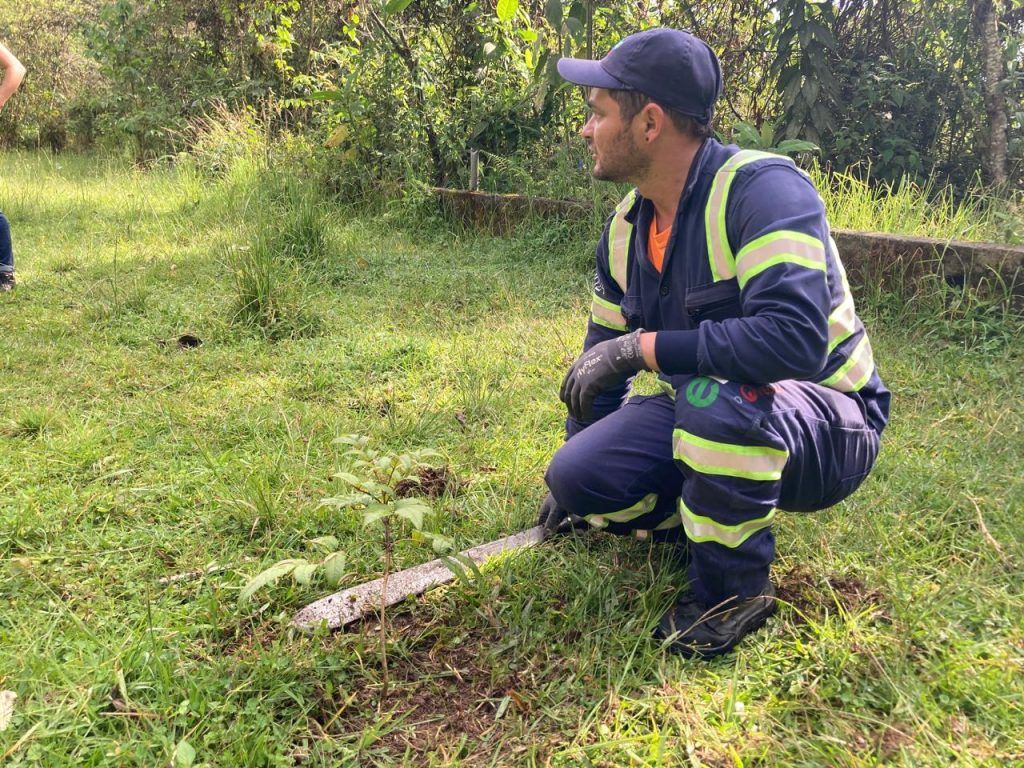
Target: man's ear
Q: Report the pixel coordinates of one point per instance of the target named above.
(653, 119)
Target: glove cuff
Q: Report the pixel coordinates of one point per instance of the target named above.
(629, 352)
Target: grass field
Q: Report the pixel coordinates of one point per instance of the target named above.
(128, 459)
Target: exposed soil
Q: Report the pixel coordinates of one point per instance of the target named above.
(432, 482)
(813, 595)
(450, 702)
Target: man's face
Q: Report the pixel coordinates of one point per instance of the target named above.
(611, 142)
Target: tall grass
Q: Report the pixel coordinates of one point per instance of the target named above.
(855, 201)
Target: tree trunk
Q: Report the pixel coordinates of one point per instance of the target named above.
(985, 16)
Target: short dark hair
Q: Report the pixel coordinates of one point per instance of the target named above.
(631, 102)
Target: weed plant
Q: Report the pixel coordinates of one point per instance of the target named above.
(144, 485)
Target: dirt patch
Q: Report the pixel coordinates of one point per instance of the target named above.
(893, 739)
(451, 701)
(813, 595)
(249, 637)
(432, 482)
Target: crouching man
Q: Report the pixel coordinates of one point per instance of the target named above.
(718, 272)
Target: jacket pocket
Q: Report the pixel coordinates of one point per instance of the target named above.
(715, 301)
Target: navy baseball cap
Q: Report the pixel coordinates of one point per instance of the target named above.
(675, 68)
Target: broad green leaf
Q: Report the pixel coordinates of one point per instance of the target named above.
(358, 440)
(553, 13)
(184, 755)
(789, 146)
(746, 135)
(325, 543)
(413, 513)
(348, 477)
(269, 576)
(382, 491)
(507, 9)
(326, 96)
(396, 6)
(441, 543)
(416, 502)
(348, 500)
(376, 512)
(574, 26)
(334, 568)
(303, 574)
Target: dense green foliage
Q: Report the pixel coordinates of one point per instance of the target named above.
(404, 90)
(146, 480)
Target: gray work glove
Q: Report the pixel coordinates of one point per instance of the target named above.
(602, 367)
(557, 520)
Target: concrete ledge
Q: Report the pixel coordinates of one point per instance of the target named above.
(894, 260)
(501, 213)
(873, 255)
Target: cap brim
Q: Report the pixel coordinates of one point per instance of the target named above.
(587, 73)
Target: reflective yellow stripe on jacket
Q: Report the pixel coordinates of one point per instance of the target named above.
(620, 235)
(723, 265)
(776, 248)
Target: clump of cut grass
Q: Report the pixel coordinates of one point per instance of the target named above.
(32, 422)
(270, 294)
(117, 299)
(303, 234)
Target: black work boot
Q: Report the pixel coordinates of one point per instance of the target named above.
(7, 281)
(694, 629)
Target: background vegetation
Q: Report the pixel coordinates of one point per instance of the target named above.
(402, 90)
(230, 283)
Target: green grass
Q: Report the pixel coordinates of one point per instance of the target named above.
(127, 459)
(911, 208)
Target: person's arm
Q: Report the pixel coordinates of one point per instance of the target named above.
(606, 322)
(14, 73)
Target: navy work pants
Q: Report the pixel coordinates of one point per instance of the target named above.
(712, 465)
(6, 251)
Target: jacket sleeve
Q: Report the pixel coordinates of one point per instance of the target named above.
(775, 222)
(605, 322)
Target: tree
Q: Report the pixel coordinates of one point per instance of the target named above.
(985, 16)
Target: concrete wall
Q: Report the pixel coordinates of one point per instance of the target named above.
(897, 260)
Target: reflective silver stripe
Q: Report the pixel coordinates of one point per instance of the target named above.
(672, 521)
(720, 254)
(619, 232)
(607, 314)
(842, 323)
(700, 529)
(777, 248)
(642, 507)
(855, 372)
(708, 457)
